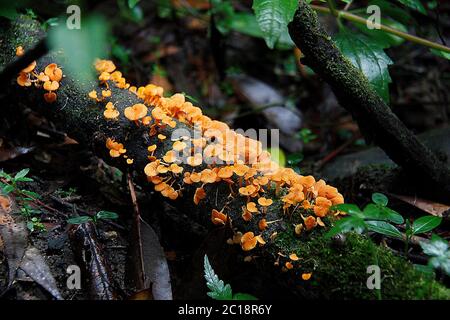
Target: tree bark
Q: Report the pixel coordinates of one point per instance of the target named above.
(339, 268)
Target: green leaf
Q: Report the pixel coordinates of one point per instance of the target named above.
(219, 290)
(379, 198)
(30, 226)
(106, 215)
(81, 48)
(392, 215)
(373, 212)
(132, 3)
(22, 173)
(441, 53)
(384, 228)
(367, 55)
(247, 24)
(351, 209)
(3, 174)
(8, 189)
(79, 220)
(23, 179)
(273, 17)
(345, 225)
(414, 4)
(30, 194)
(425, 224)
(293, 159)
(244, 296)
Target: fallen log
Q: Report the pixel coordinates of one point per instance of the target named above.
(320, 268)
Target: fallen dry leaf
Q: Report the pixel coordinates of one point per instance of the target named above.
(431, 207)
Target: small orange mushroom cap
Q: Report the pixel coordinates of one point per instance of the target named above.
(135, 112)
(50, 97)
(248, 241)
(53, 72)
(218, 218)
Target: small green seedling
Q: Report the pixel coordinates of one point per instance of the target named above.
(438, 251)
(218, 289)
(35, 224)
(101, 215)
(25, 198)
(377, 217)
(306, 135)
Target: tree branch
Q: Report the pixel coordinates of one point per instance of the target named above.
(354, 92)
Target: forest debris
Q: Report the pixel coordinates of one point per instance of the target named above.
(272, 104)
(11, 153)
(431, 207)
(15, 239)
(89, 255)
(34, 265)
(148, 265)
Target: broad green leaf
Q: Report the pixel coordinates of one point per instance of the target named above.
(273, 17)
(107, 215)
(414, 4)
(351, 209)
(425, 224)
(373, 212)
(367, 55)
(244, 296)
(79, 220)
(81, 47)
(247, 24)
(22, 173)
(385, 228)
(345, 225)
(379, 198)
(219, 290)
(441, 53)
(392, 215)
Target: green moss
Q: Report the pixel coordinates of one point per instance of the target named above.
(340, 270)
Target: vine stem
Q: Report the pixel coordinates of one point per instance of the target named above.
(409, 37)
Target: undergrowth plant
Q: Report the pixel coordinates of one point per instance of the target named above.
(218, 289)
(101, 215)
(377, 217)
(25, 198)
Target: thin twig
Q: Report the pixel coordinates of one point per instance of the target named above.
(354, 18)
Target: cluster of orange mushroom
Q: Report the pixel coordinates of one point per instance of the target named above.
(49, 79)
(218, 155)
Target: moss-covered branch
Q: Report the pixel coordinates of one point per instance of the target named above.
(338, 269)
(354, 92)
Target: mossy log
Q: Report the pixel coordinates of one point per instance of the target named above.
(339, 270)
